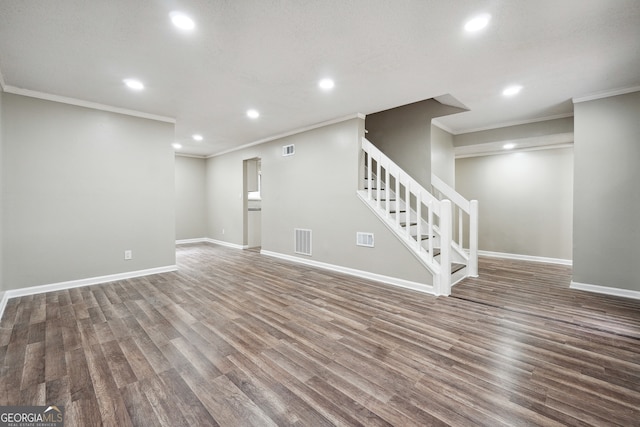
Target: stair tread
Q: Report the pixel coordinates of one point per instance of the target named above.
(390, 196)
(455, 267)
(423, 237)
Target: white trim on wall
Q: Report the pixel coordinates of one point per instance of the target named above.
(223, 243)
(293, 132)
(212, 241)
(421, 287)
(188, 241)
(32, 290)
(514, 123)
(520, 257)
(192, 156)
(438, 124)
(546, 142)
(502, 151)
(606, 94)
(86, 104)
(619, 292)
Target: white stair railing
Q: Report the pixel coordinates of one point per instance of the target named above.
(463, 209)
(407, 199)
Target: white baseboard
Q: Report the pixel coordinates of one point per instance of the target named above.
(525, 257)
(619, 292)
(213, 241)
(429, 289)
(188, 241)
(227, 244)
(3, 303)
(32, 290)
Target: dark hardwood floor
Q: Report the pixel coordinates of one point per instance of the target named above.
(235, 338)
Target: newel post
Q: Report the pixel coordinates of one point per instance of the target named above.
(446, 235)
(473, 238)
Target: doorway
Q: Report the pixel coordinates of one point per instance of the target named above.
(252, 205)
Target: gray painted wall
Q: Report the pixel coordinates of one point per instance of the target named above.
(607, 192)
(525, 201)
(528, 130)
(443, 160)
(81, 186)
(191, 217)
(1, 198)
(297, 192)
(225, 207)
(404, 135)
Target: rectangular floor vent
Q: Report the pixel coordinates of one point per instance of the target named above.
(364, 239)
(288, 150)
(302, 241)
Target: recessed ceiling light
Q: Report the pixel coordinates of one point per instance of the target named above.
(254, 114)
(133, 84)
(477, 23)
(176, 145)
(197, 137)
(182, 21)
(512, 90)
(509, 146)
(326, 84)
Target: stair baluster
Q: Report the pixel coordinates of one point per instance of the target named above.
(441, 254)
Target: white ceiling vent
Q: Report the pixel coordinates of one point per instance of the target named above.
(302, 241)
(364, 239)
(288, 150)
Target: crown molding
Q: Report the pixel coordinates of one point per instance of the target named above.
(501, 151)
(606, 94)
(514, 123)
(86, 104)
(442, 126)
(546, 142)
(292, 132)
(193, 156)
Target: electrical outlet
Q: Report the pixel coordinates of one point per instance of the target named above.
(223, 231)
(128, 255)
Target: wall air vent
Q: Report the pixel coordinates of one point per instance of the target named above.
(364, 239)
(288, 150)
(302, 241)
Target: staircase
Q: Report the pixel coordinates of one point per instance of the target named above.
(420, 220)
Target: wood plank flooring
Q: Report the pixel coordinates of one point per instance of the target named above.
(235, 338)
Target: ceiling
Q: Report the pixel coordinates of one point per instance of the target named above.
(270, 54)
